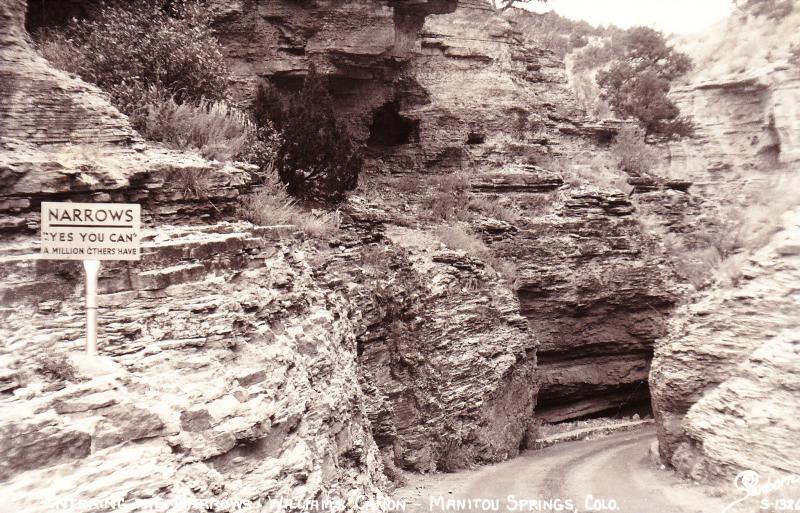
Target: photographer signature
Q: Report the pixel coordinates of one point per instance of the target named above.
(748, 482)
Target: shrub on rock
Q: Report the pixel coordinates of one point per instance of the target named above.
(317, 159)
(128, 49)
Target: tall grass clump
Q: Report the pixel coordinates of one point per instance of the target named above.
(458, 238)
(447, 197)
(633, 154)
(215, 128)
(274, 206)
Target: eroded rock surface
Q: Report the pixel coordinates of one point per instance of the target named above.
(60, 137)
(596, 291)
(246, 362)
(234, 373)
(724, 380)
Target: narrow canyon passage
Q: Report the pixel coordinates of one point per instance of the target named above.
(613, 473)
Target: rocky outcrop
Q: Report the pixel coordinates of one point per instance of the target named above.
(596, 292)
(61, 138)
(42, 105)
(392, 66)
(447, 361)
(237, 362)
(171, 186)
(511, 107)
(231, 370)
(512, 103)
(225, 371)
(724, 380)
(363, 46)
(721, 382)
(747, 129)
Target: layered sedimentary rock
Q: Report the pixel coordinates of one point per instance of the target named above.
(480, 98)
(225, 372)
(747, 127)
(596, 292)
(59, 137)
(362, 46)
(724, 380)
(447, 362)
(470, 94)
(743, 98)
(236, 362)
(232, 372)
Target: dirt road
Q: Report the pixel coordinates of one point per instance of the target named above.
(608, 474)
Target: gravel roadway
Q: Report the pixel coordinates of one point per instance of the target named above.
(613, 473)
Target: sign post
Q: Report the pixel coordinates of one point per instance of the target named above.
(91, 232)
(92, 268)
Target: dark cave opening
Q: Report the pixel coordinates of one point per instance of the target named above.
(619, 402)
(476, 138)
(390, 128)
(49, 13)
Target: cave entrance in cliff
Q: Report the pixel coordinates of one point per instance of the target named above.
(390, 128)
(53, 13)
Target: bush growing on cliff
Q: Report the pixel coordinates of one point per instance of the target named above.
(129, 48)
(633, 154)
(272, 206)
(317, 159)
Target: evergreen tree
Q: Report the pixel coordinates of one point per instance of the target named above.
(638, 80)
(317, 159)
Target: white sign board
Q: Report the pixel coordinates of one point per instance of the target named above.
(91, 231)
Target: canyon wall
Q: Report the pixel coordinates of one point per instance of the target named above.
(236, 362)
(225, 371)
(743, 97)
(747, 130)
(251, 362)
(460, 90)
(722, 380)
(594, 288)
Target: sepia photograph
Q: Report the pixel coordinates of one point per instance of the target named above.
(399, 256)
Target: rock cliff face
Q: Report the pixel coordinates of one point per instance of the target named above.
(724, 380)
(591, 284)
(747, 128)
(363, 46)
(225, 371)
(743, 96)
(468, 95)
(596, 293)
(227, 374)
(237, 362)
(446, 361)
(258, 363)
(60, 137)
(721, 381)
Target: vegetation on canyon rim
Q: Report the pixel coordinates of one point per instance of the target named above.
(634, 71)
(164, 68)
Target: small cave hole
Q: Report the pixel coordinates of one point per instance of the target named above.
(476, 138)
(50, 13)
(390, 128)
